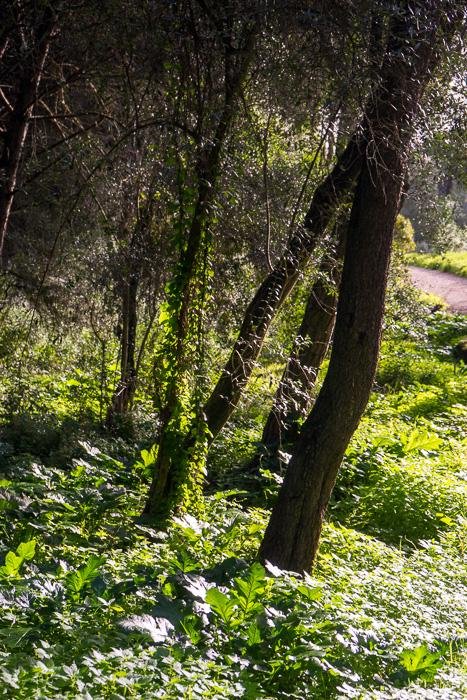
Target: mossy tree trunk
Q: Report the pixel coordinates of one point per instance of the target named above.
(178, 474)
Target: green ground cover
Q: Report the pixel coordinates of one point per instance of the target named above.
(96, 604)
(452, 261)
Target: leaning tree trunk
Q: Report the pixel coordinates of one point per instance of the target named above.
(15, 135)
(294, 393)
(175, 458)
(292, 535)
(278, 284)
(259, 315)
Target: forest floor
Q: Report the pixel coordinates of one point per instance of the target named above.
(444, 284)
(97, 605)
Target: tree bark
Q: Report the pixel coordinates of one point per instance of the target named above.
(278, 284)
(294, 393)
(125, 389)
(292, 535)
(18, 123)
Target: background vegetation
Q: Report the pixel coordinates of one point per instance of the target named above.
(451, 261)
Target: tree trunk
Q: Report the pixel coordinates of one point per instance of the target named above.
(175, 449)
(278, 284)
(292, 535)
(17, 129)
(126, 386)
(294, 393)
(131, 277)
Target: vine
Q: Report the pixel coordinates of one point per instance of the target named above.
(180, 360)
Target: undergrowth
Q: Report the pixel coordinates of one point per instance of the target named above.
(451, 261)
(96, 604)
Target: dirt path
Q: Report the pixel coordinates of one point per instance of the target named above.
(444, 284)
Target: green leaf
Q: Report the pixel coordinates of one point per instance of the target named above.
(191, 625)
(91, 570)
(253, 634)
(251, 587)
(184, 562)
(310, 593)
(384, 438)
(26, 550)
(148, 457)
(12, 564)
(420, 659)
(220, 604)
(419, 439)
(76, 581)
(164, 315)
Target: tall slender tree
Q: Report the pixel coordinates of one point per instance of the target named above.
(29, 40)
(177, 477)
(417, 40)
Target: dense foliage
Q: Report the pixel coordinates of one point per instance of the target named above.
(97, 604)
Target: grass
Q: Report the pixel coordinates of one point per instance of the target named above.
(98, 605)
(453, 261)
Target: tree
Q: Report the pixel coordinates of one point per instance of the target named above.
(294, 393)
(416, 42)
(28, 40)
(138, 244)
(189, 444)
(176, 476)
